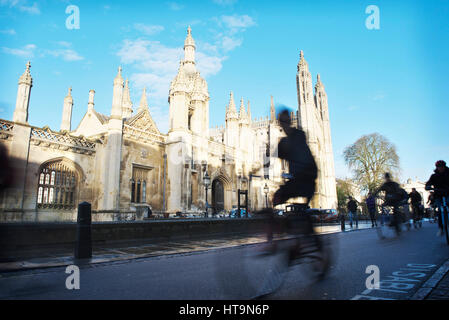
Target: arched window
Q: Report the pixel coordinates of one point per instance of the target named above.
(57, 186)
(139, 184)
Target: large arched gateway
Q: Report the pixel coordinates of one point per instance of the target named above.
(217, 195)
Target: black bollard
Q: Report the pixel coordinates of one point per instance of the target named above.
(83, 247)
(342, 220)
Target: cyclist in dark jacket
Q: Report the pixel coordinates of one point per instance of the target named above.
(303, 172)
(393, 198)
(440, 181)
(415, 200)
(302, 167)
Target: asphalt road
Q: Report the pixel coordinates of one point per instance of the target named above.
(404, 264)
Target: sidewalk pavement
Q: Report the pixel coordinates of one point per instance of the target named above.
(436, 287)
(144, 249)
(441, 291)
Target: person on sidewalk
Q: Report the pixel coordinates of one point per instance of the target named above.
(371, 205)
(352, 212)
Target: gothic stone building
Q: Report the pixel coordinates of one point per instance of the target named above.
(122, 164)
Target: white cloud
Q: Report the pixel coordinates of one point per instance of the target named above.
(8, 31)
(229, 43)
(66, 54)
(150, 56)
(22, 5)
(225, 2)
(148, 29)
(238, 22)
(175, 6)
(378, 97)
(26, 52)
(209, 65)
(64, 44)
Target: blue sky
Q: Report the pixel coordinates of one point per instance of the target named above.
(392, 81)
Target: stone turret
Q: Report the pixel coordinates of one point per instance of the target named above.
(232, 123)
(127, 105)
(243, 117)
(23, 96)
(67, 112)
(272, 110)
(117, 98)
(189, 47)
(143, 105)
(90, 104)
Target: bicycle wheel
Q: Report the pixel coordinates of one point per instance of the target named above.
(252, 269)
(384, 230)
(315, 257)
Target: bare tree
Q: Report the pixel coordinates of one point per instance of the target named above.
(369, 158)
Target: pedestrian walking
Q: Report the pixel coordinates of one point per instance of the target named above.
(371, 205)
(352, 212)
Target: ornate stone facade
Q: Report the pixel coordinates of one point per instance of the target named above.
(122, 164)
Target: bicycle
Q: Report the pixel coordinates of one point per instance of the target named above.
(391, 223)
(296, 244)
(443, 209)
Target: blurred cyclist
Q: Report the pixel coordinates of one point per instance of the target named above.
(302, 167)
(303, 171)
(440, 181)
(415, 200)
(393, 198)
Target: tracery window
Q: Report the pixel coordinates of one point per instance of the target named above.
(139, 184)
(57, 186)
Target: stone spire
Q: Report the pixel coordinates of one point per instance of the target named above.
(318, 84)
(243, 117)
(23, 96)
(249, 112)
(25, 78)
(127, 105)
(242, 112)
(66, 122)
(272, 111)
(143, 101)
(117, 97)
(231, 112)
(302, 64)
(189, 47)
(90, 104)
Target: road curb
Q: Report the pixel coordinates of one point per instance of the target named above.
(19, 266)
(431, 283)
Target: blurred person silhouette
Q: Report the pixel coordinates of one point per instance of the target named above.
(371, 205)
(352, 211)
(440, 181)
(394, 197)
(303, 170)
(415, 201)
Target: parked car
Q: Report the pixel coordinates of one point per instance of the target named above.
(329, 215)
(234, 213)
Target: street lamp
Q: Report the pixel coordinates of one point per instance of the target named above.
(266, 189)
(206, 181)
